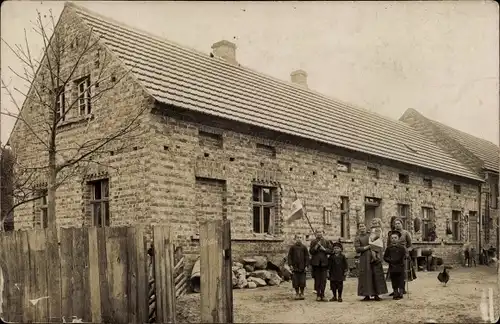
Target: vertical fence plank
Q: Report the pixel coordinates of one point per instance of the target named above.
(116, 274)
(227, 277)
(106, 312)
(20, 274)
(142, 276)
(132, 275)
(38, 269)
(159, 279)
(164, 278)
(27, 309)
(216, 272)
(66, 252)
(78, 292)
(138, 280)
(54, 276)
(210, 271)
(94, 282)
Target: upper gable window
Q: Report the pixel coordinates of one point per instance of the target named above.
(84, 97)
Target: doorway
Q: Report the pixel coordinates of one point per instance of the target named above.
(372, 210)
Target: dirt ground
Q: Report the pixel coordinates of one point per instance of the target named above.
(458, 302)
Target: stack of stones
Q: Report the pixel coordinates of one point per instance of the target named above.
(258, 271)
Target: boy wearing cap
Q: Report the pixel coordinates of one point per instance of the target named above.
(395, 256)
(337, 268)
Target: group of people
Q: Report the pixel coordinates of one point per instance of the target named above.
(328, 262)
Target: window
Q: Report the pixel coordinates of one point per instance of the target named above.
(84, 106)
(327, 216)
(404, 214)
(264, 209)
(100, 203)
(210, 140)
(60, 107)
(457, 189)
(455, 225)
(428, 224)
(494, 195)
(343, 166)
(428, 183)
(373, 172)
(40, 219)
(266, 150)
(344, 218)
(404, 178)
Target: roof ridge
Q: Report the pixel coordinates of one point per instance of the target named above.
(249, 69)
(455, 129)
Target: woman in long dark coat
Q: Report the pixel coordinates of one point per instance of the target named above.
(371, 280)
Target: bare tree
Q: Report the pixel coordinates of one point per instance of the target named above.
(46, 110)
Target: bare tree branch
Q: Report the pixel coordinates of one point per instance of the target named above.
(66, 53)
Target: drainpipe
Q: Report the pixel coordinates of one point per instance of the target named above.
(480, 215)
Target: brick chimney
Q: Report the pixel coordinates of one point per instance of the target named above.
(226, 50)
(299, 77)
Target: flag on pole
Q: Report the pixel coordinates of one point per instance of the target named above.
(297, 212)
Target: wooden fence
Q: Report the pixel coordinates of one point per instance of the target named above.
(94, 274)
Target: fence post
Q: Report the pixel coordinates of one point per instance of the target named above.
(164, 274)
(216, 272)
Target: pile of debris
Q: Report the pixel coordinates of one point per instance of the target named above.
(258, 271)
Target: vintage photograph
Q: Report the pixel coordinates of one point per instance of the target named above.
(249, 162)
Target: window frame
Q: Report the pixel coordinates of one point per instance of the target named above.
(404, 218)
(426, 221)
(102, 202)
(262, 205)
(373, 172)
(457, 189)
(84, 102)
(60, 104)
(345, 232)
(456, 222)
(40, 220)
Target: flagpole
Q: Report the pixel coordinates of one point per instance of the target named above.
(305, 211)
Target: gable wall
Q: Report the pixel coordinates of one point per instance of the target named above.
(126, 168)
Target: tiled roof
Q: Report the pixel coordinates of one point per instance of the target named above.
(484, 150)
(186, 78)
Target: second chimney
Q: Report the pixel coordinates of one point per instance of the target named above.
(299, 77)
(226, 50)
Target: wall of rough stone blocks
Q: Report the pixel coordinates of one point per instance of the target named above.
(312, 172)
(125, 162)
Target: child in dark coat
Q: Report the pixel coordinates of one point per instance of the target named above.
(395, 255)
(298, 260)
(337, 267)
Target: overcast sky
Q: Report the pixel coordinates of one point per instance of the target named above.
(440, 58)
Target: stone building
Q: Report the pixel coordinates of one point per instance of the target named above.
(482, 157)
(220, 140)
